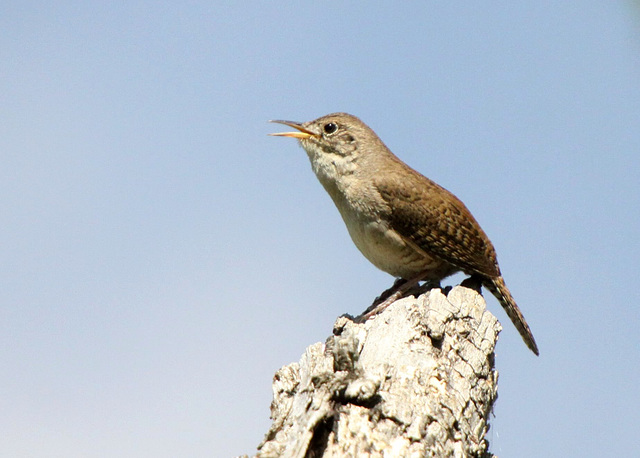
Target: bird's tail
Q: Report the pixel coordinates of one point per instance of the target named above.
(499, 289)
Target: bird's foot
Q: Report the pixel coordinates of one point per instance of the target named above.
(474, 282)
(426, 286)
(387, 293)
(400, 289)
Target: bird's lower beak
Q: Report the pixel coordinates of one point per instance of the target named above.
(302, 134)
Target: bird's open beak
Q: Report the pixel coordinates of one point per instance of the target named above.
(302, 134)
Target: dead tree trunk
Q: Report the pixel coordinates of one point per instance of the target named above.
(416, 380)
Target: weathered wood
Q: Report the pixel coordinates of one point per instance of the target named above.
(416, 380)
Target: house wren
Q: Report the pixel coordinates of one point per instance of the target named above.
(401, 221)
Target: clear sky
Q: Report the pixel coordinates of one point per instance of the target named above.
(161, 256)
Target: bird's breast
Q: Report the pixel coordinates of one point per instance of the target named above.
(361, 207)
(386, 249)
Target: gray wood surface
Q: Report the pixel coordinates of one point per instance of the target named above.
(416, 380)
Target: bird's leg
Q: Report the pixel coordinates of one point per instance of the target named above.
(388, 297)
(387, 292)
(473, 282)
(428, 285)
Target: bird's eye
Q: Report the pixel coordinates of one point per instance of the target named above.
(330, 127)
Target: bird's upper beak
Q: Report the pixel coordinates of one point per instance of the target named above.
(302, 133)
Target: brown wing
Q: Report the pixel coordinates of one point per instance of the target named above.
(436, 221)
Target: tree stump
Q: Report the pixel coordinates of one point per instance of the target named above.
(416, 380)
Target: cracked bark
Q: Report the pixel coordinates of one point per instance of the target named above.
(416, 380)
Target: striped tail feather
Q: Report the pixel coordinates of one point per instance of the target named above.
(499, 289)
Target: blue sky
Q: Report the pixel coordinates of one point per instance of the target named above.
(161, 256)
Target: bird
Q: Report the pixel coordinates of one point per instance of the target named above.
(404, 223)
